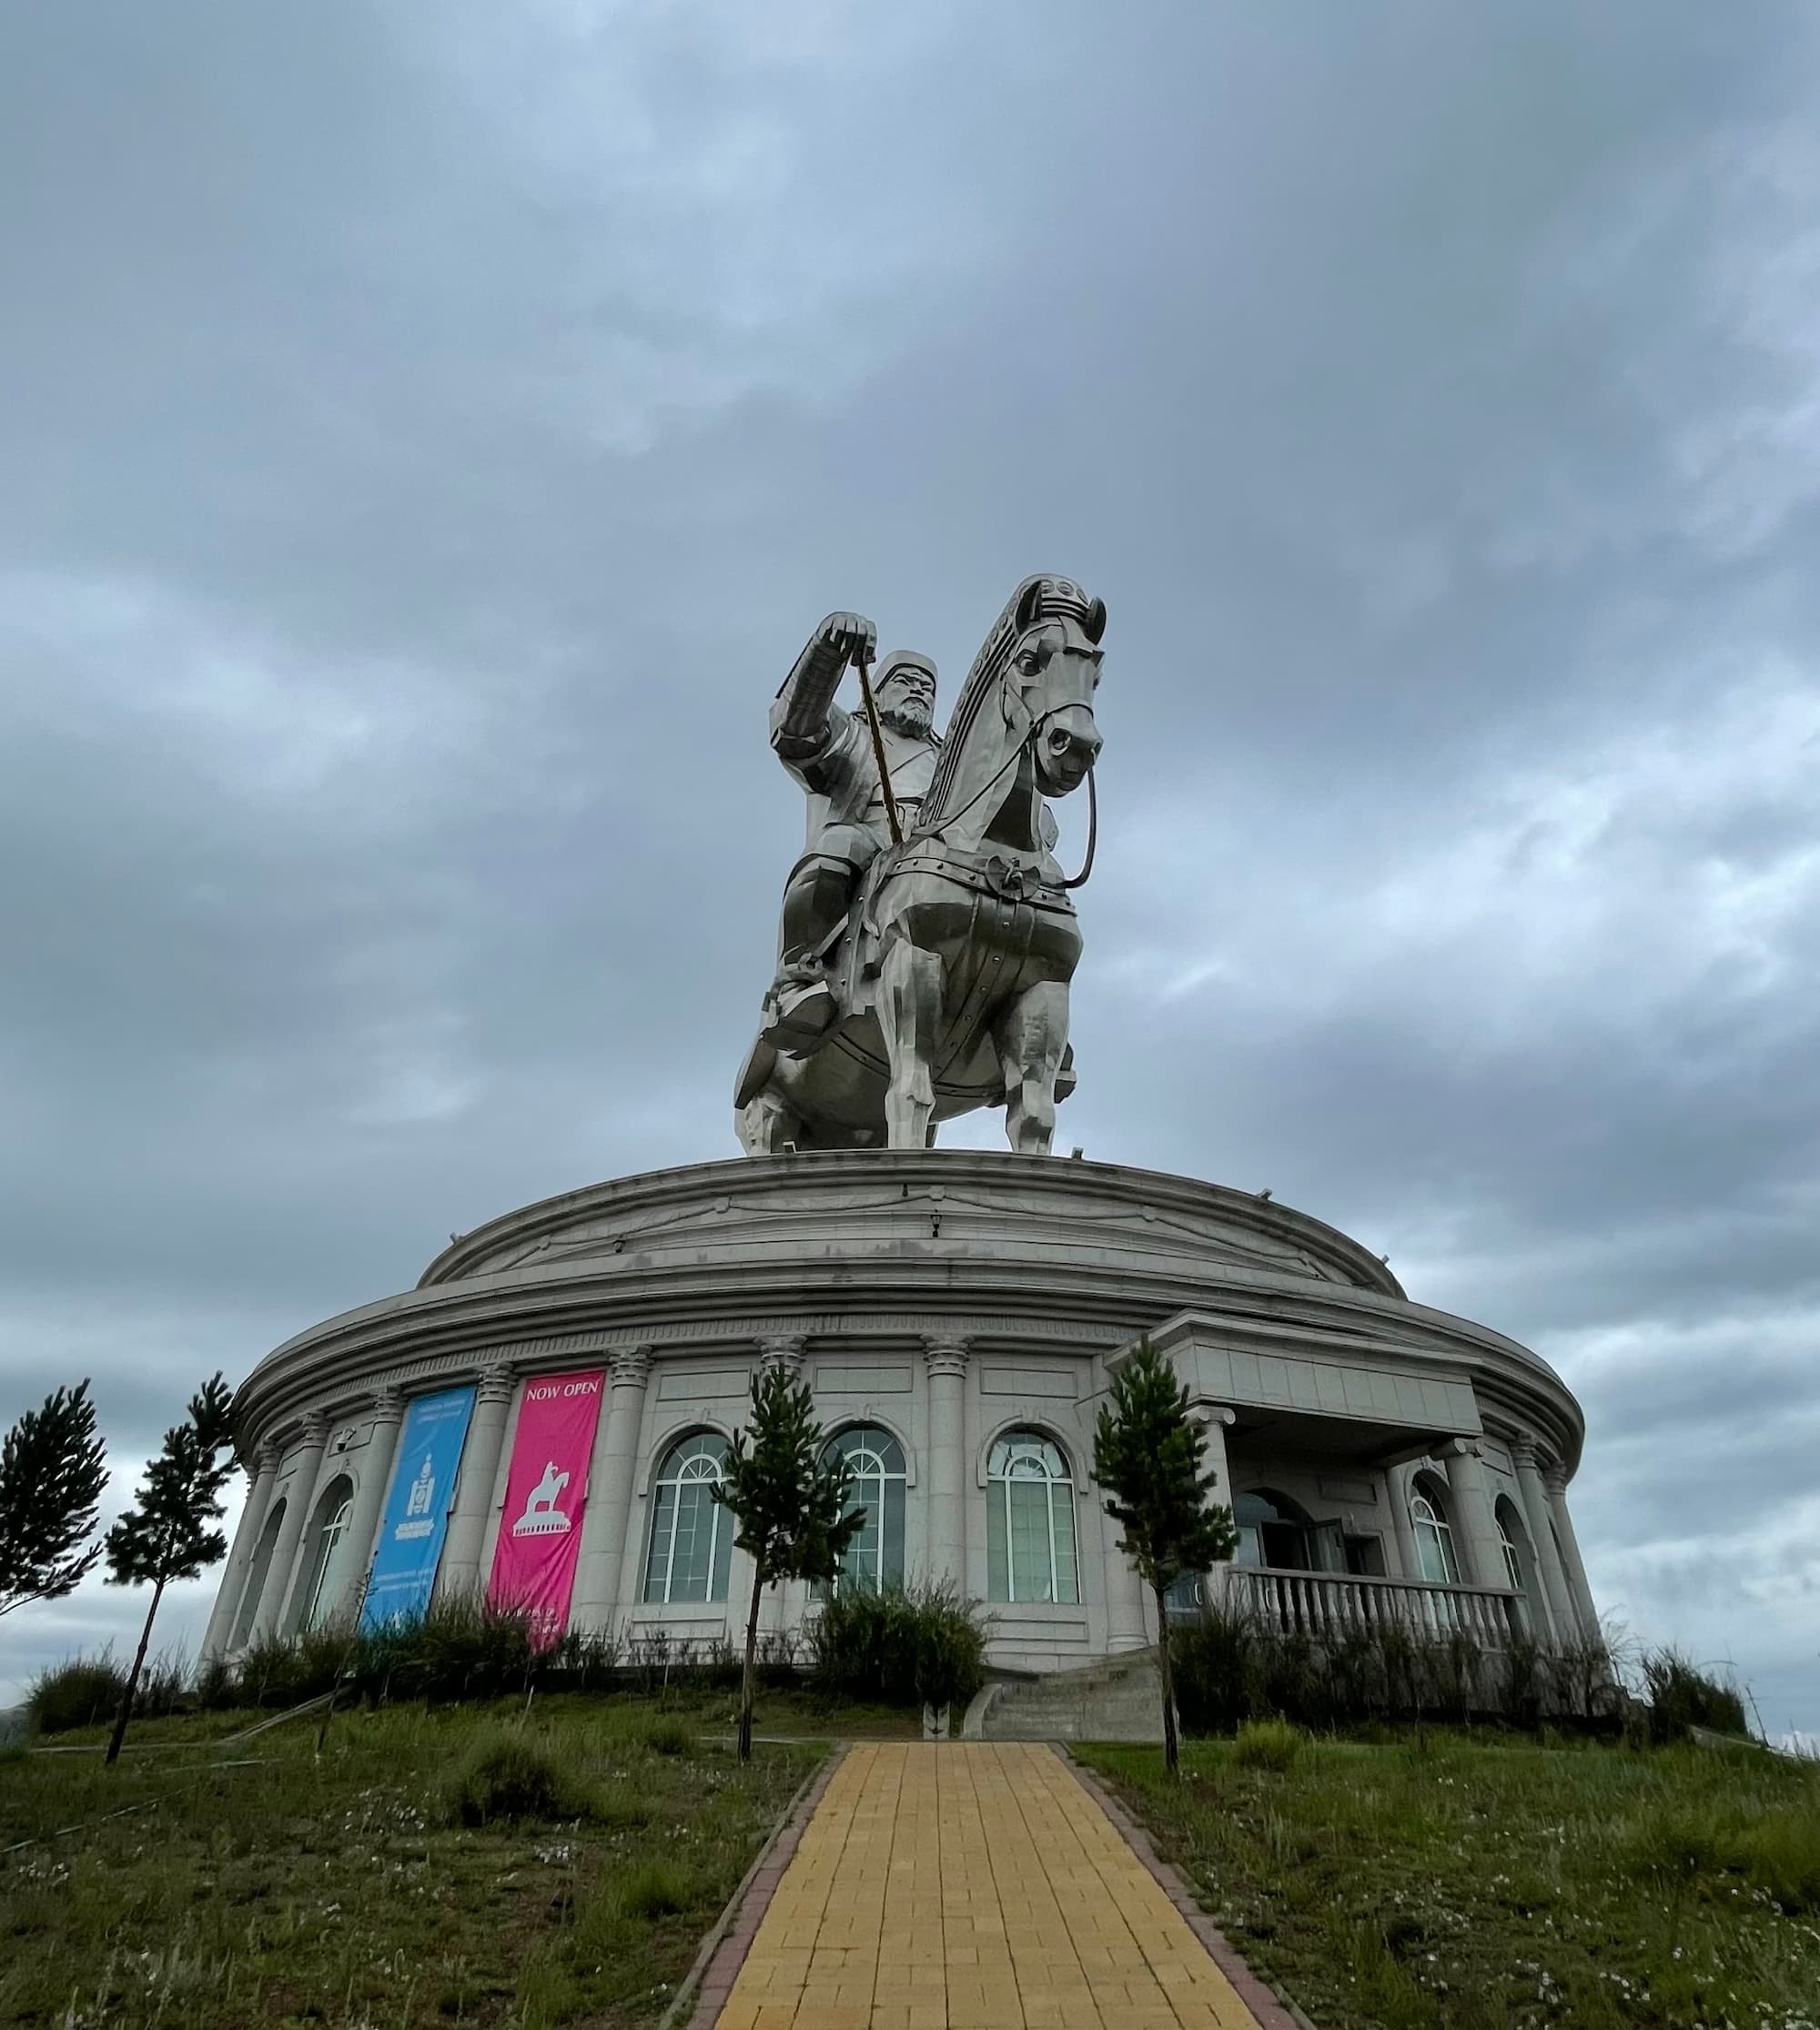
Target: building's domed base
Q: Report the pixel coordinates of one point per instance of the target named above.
(955, 1313)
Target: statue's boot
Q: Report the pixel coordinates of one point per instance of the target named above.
(798, 1015)
(801, 1008)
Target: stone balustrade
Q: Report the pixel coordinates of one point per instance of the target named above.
(1325, 1604)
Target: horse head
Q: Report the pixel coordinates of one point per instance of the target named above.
(1041, 664)
(1054, 669)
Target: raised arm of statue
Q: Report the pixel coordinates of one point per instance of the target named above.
(800, 716)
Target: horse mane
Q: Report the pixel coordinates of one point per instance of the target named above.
(1038, 600)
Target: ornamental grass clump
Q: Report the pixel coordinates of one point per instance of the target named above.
(507, 1776)
(80, 1693)
(1683, 1697)
(1271, 1744)
(922, 1644)
(654, 1889)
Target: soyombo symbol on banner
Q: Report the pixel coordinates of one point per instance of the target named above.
(541, 1523)
(429, 1454)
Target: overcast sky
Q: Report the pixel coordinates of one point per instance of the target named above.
(429, 433)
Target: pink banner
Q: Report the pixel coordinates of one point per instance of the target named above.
(546, 1491)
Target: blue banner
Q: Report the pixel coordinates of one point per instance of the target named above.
(428, 1453)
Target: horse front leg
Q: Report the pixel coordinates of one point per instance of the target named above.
(1031, 1035)
(911, 983)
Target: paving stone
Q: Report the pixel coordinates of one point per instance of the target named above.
(972, 1887)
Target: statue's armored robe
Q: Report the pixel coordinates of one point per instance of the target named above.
(847, 825)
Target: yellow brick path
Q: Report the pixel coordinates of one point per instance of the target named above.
(972, 1887)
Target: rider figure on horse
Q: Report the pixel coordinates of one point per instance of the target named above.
(831, 754)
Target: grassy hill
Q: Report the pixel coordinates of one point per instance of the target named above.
(226, 1883)
(1458, 1882)
(1442, 1882)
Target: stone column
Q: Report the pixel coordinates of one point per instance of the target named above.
(1397, 1481)
(281, 1573)
(369, 1497)
(1554, 1480)
(240, 1559)
(611, 1473)
(1542, 1538)
(1476, 1526)
(1215, 1422)
(945, 1359)
(460, 1568)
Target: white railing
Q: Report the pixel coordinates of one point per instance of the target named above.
(1327, 1603)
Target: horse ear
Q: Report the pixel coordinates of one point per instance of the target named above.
(1094, 626)
(1029, 598)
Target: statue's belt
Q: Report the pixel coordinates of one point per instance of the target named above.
(1010, 880)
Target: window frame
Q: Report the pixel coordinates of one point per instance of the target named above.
(883, 1479)
(1036, 1443)
(1435, 1526)
(325, 1541)
(721, 1519)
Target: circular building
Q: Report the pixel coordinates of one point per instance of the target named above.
(544, 1416)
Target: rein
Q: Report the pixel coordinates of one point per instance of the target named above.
(1092, 830)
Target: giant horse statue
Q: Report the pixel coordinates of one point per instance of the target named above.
(946, 981)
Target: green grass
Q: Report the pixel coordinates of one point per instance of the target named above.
(264, 1886)
(1458, 1884)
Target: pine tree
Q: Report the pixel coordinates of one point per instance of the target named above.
(167, 1534)
(790, 1504)
(1147, 1456)
(52, 1467)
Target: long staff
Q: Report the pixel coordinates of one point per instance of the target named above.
(860, 661)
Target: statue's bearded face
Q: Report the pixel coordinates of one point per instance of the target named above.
(906, 702)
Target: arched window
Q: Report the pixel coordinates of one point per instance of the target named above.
(1029, 1521)
(691, 1535)
(258, 1575)
(1514, 1542)
(325, 1540)
(876, 1483)
(1433, 1535)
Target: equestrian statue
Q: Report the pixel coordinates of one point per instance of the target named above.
(928, 933)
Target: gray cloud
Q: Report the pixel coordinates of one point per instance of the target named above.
(430, 434)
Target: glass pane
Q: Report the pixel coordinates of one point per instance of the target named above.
(695, 1542)
(892, 1557)
(860, 1564)
(1062, 1514)
(998, 1552)
(723, 1551)
(663, 1521)
(1029, 1502)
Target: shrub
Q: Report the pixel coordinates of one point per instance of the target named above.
(1219, 1668)
(904, 1646)
(505, 1776)
(1682, 1697)
(82, 1691)
(1268, 1744)
(163, 1688)
(217, 1684)
(282, 1672)
(459, 1648)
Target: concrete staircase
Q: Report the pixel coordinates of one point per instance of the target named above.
(1118, 1699)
